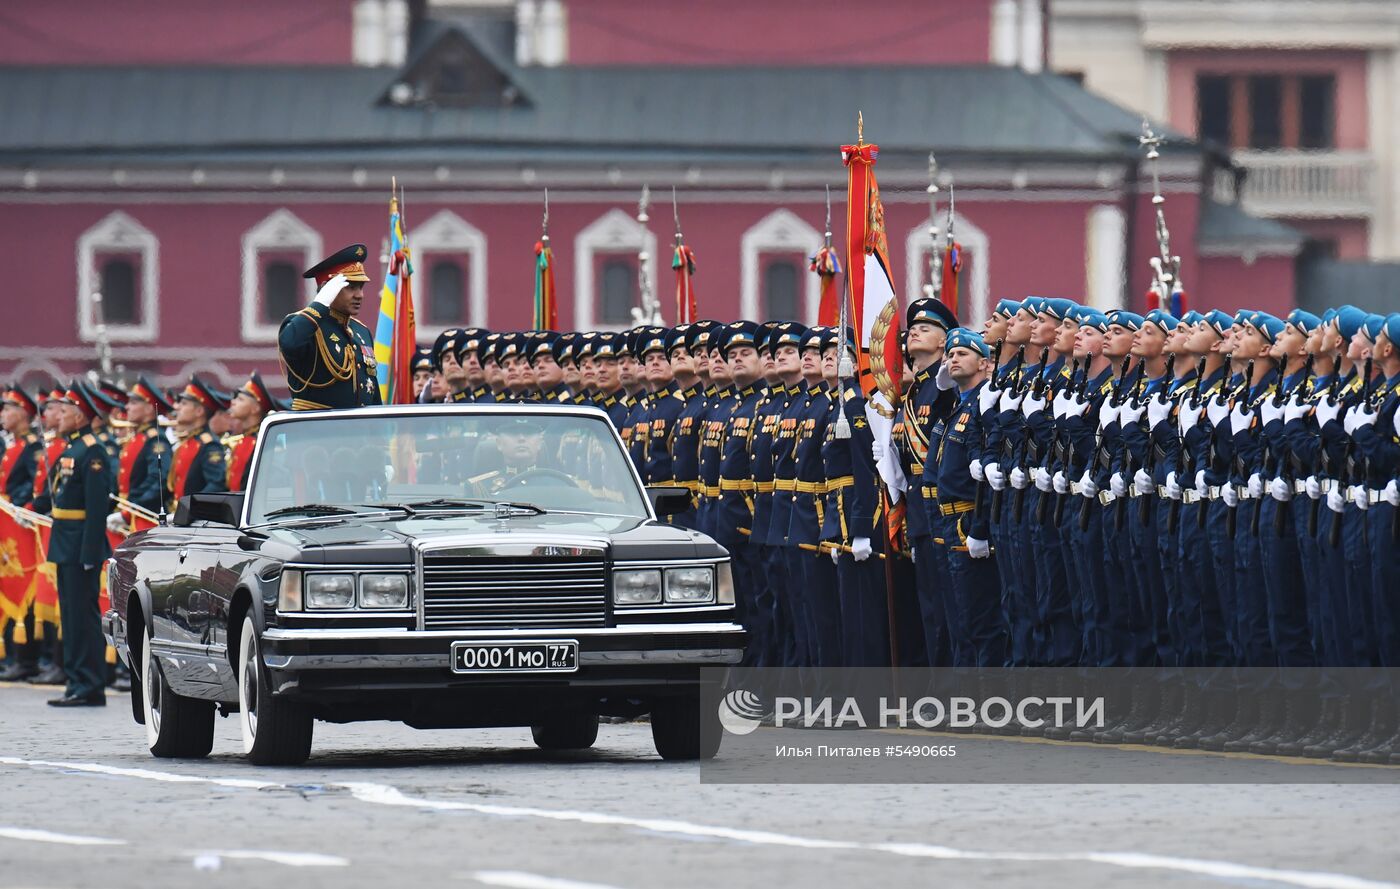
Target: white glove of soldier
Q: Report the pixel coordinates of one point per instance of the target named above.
(1018, 479)
(1042, 479)
(1255, 485)
(978, 549)
(1187, 417)
(1060, 483)
(987, 397)
(1335, 501)
(1361, 415)
(1076, 406)
(116, 523)
(1217, 409)
(1269, 412)
(1009, 401)
(1280, 490)
(1200, 483)
(1143, 482)
(330, 290)
(1395, 421)
(1360, 496)
(1060, 404)
(1295, 409)
(995, 477)
(944, 378)
(1313, 487)
(1173, 487)
(1230, 495)
(1087, 486)
(877, 450)
(1117, 485)
(1158, 409)
(1326, 411)
(1130, 413)
(1391, 493)
(1032, 404)
(974, 469)
(1240, 419)
(860, 548)
(1108, 413)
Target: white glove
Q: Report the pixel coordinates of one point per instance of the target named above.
(1239, 419)
(1217, 409)
(1041, 477)
(1326, 411)
(330, 290)
(1269, 412)
(1117, 486)
(995, 477)
(1280, 490)
(1031, 404)
(1158, 409)
(1009, 401)
(1187, 417)
(835, 555)
(877, 450)
(1313, 487)
(974, 469)
(1076, 407)
(978, 549)
(1087, 486)
(1060, 483)
(116, 523)
(1335, 501)
(1361, 415)
(1295, 409)
(1360, 496)
(1173, 487)
(1391, 493)
(1230, 494)
(1108, 413)
(1200, 483)
(944, 378)
(1130, 413)
(1395, 421)
(860, 548)
(1255, 485)
(1059, 405)
(1143, 482)
(987, 397)
(1018, 479)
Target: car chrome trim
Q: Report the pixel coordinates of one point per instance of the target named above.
(276, 634)
(440, 661)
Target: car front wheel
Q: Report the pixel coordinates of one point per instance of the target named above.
(176, 726)
(679, 731)
(275, 732)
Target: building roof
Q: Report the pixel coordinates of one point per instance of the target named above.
(1333, 282)
(67, 115)
(1227, 229)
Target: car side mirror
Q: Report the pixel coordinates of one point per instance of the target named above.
(669, 501)
(221, 509)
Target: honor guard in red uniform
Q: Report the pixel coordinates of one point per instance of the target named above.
(250, 404)
(145, 455)
(17, 469)
(50, 411)
(198, 466)
(327, 354)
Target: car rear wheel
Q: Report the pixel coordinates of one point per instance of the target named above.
(176, 726)
(573, 732)
(679, 731)
(276, 732)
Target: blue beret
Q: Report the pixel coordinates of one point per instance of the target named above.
(931, 311)
(1349, 321)
(962, 338)
(789, 333)
(1033, 304)
(1006, 308)
(1328, 315)
(1391, 328)
(1057, 308)
(1162, 319)
(1192, 318)
(1269, 326)
(1095, 319)
(1242, 316)
(1219, 321)
(1124, 318)
(1307, 322)
(1373, 326)
(740, 333)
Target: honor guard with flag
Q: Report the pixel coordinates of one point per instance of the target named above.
(327, 354)
(198, 465)
(144, 459)
(80, 488)
(18, 468)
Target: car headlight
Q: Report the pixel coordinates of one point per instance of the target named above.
(384, 591)
(637, 587)
(326, 591)
(724, 586)
(690, 585)
(289, 592)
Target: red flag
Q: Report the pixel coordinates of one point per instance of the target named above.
(19, 557)
(825, 264)
(45, 581)
(405, 336)
(952, 268)
(867, 261)
(546, 306)
(683, 261)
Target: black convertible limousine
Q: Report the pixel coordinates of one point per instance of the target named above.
(442, 566)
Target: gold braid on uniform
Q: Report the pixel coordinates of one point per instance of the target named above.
(339, 373)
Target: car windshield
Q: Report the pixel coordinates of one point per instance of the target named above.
(433, 463)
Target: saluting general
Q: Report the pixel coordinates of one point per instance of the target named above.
(327, 354)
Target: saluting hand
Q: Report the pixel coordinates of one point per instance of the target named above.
(330, 290)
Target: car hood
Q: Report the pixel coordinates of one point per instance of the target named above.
(373, 541)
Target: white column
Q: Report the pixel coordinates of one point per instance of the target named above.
(525, 18)
(1032, 37)
(552, 46)
(395, 31)
(1105, 249)
(1005, 47)
(367, 42)
(1383, 129)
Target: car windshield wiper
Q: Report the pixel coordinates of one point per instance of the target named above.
(311, 509)
(475, 503)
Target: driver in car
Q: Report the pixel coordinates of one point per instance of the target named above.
(519, 440)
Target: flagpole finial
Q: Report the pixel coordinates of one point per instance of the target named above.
(676, 215)
(544, 222)
(860, 128)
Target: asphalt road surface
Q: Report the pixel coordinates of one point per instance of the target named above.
(83, 804)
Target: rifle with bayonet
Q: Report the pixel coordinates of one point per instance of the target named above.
(1193, 402)
(1082, 394)
(1331, 397)
(1149, 461)
(1242, 392)
(1126, 457)
(1281, 461)
(1115, 400)
(1015, 364)
(1042, 505)
(980, 494)
(1344, 473)
(1018, 502)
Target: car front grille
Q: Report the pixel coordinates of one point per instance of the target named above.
(494, 592)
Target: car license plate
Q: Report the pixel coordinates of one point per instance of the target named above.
(551, 656)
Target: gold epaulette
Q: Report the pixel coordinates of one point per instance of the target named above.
(89, 439)
(205, 437)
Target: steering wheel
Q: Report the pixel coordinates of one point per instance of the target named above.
(540, 472)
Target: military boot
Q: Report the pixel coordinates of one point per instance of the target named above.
(1192, 715)
(1350, 726)
(1168, 710)
(1328, 715)
(1246, 709)
(1384, 752)
(1377, 731)
(1217, 712)
(1295, 724)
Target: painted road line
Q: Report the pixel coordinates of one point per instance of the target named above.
(514, 879)
(46, 836)
(291, 859)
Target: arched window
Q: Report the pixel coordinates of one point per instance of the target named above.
(778, 238)
(119, 304)
(281, 290)
(119, 258)
(449, 281)
(274, 253)
(780, 291)
(447, 298)
(619, 289)
(612, 237)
